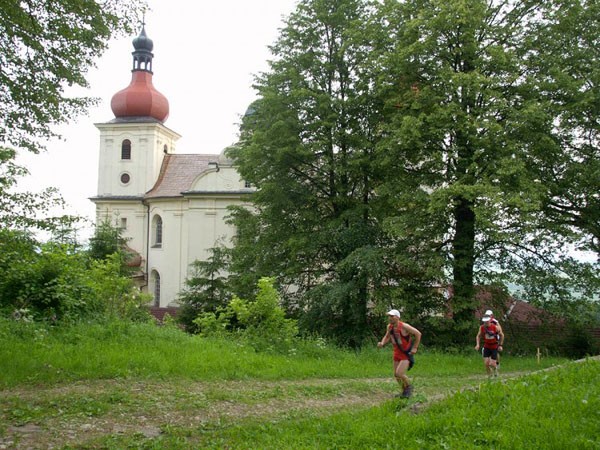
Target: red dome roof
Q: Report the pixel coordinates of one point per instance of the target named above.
(140, 99)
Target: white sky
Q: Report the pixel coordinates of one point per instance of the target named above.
(205, 57)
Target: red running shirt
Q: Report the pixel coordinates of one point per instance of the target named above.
(399, 355)
(490, 336)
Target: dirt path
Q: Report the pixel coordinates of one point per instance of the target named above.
(73, 414)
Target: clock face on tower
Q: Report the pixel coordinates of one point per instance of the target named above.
(125, 178)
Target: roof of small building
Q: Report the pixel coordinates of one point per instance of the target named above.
(177, 174)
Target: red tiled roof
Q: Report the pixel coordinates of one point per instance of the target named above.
(508, 308)
(177, 174)
(505, 307)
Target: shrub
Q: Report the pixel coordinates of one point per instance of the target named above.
(261, 322)
(53, 282)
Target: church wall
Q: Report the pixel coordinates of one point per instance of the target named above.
(225, 179)
(131, 217)
(166, 258)
(191, 226)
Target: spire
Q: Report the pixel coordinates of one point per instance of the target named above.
(142, 55)
(140, 99)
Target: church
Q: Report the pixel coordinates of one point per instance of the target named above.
(170, 207)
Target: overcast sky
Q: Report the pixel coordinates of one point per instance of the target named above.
(205, 57)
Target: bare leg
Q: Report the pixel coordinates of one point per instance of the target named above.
(490, 366)
(400, 368)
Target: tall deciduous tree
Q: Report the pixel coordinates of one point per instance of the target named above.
(44, 48)
(566, 74)
(562, 70)
(473, 142)
(453, 80)
(26, 210)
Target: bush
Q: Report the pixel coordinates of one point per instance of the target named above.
(53, 282)
(261, 322)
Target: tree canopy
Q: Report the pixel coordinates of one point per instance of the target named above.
(46, 47)
(400, 147)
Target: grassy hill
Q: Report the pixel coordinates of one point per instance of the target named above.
(140, 386)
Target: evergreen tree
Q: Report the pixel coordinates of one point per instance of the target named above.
(307, 144)
(206, 290)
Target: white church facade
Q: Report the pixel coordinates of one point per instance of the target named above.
(170, 207)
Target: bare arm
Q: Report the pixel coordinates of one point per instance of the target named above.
(416, 334)
(501, 334)
(385, 339)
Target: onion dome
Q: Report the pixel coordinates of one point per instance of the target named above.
(143, 42)
(140, 98)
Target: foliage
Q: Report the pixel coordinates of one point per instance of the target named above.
(261, 322)
(455, 162)
(46, 47)
(436, 139)
(107, 239)
(205, 291)
(113, 293)
(53, 282)
(108, 242)
(565, 74)
(308, 145)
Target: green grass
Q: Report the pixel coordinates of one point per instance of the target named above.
(215, 393)
(554, 410)
(35, 355)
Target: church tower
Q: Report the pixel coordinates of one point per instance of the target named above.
(172, 208)
(133, 146)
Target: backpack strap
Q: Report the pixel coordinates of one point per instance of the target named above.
(411, 357)
(399, 342)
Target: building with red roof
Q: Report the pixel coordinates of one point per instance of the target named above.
(170, 207)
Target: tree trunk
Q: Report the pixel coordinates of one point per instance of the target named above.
(463, 304)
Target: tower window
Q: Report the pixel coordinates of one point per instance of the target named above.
(125, 178)
(126, 149)
(123, 223)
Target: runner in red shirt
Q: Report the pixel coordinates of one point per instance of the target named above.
(400, 334)
(493, 339)
(494, 321)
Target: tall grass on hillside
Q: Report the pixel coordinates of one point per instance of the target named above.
(557, 409)
(37, 354)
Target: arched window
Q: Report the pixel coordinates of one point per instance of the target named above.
(126, 149)
(156, 287)
(157, 231)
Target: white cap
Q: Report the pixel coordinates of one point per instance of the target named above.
(485, 318)
(489, 312)
(393, 312)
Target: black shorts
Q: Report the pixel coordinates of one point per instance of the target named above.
(490, 353)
